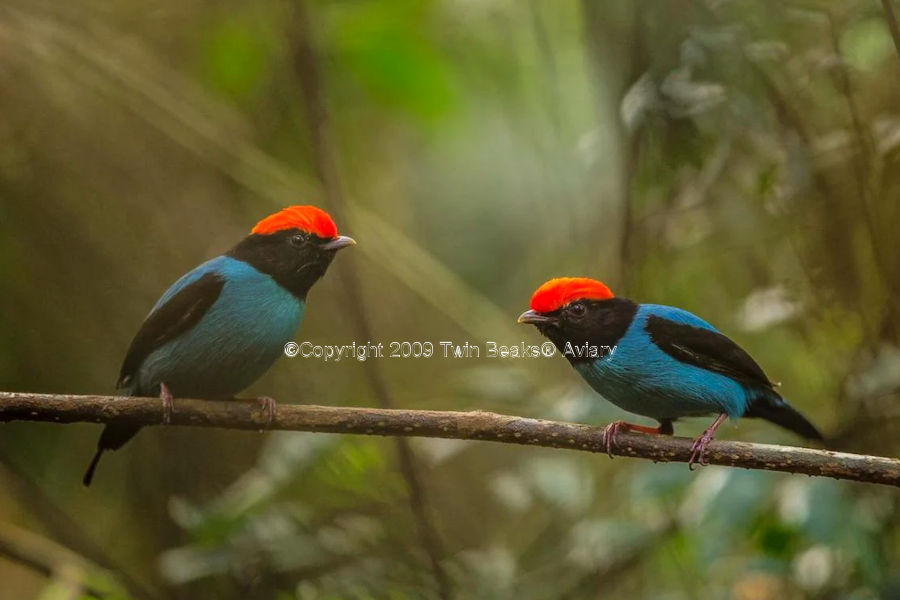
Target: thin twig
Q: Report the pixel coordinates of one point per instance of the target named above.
(892, 23)
(474, 425)
(861, 162)
(325, 158)
(629, 137)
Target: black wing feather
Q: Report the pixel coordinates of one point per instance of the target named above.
(181, 312)
(715, 352)
(706, 349)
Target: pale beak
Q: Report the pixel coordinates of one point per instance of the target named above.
(341, 241)
(535, 318)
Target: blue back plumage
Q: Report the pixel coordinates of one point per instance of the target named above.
(641, 378)
(677, 315)
(241, 335)
(222, 265)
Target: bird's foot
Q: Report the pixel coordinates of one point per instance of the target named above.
(698, 449)
(268, 407)
(168, 402)
(610, 433)
(617, 427)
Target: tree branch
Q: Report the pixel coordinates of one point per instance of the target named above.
(474, 425)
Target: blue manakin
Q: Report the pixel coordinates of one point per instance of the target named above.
(223, 324)
(657, 361)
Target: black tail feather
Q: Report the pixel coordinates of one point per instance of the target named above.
(776, 410)
(112, 438)
(89, 474)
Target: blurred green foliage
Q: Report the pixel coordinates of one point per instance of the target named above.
(739, 159)
(235, 59)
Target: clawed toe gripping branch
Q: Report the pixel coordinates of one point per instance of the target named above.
(475, 425)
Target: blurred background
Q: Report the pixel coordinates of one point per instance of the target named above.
(737, 159)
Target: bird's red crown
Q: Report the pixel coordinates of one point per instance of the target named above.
(306, 218)
(558, 292)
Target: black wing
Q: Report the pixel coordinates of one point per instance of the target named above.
(180, 312)
(706, 349)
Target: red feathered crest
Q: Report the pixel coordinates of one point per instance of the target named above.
(306, 218)
(558, 292)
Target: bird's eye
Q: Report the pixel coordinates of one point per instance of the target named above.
(298, 239)
(577, 310)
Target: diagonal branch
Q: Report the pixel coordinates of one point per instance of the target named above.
(474, 425)
(65, 532)
(307, 67)
(56, 562)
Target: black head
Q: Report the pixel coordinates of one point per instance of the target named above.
(294, 258)
(597, 323)
(578, 311)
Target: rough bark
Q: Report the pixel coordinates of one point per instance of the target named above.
(474, 425)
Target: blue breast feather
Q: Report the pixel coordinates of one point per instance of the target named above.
(641, 378)
(233, 344)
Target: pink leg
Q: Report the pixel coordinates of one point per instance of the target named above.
(698, 450)
(617, 427)
(167, 401)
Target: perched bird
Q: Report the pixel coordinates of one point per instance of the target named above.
(222, 325)
(657, 361)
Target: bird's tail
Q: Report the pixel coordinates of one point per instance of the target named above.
(776, 410)
(89, 474)
(112, 438)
